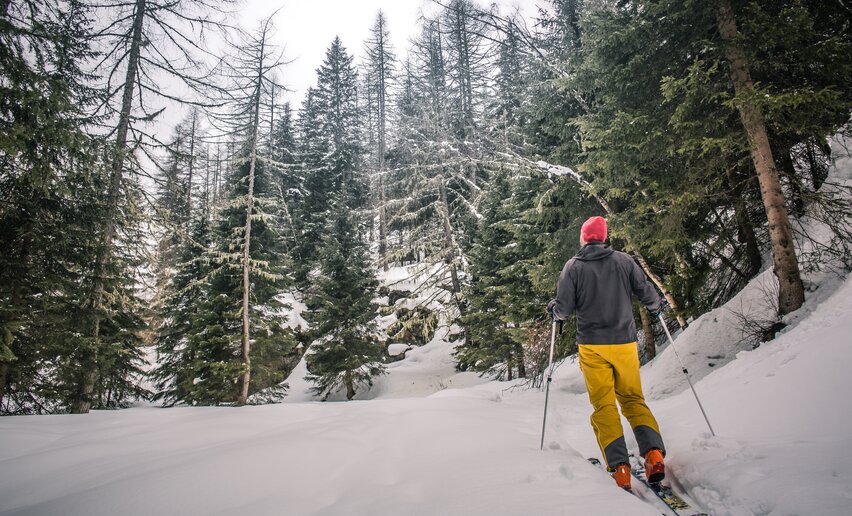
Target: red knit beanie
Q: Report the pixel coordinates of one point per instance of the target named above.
(594, 230)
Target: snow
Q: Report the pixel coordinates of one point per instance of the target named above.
(395, 350)
(294, 312)
(428, 440)
(434, 441)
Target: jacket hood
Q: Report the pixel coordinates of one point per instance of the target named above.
(592, 252)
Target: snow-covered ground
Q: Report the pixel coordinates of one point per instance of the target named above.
(458, 445)
(427, 440)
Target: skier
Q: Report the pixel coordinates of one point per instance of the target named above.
(597, 285)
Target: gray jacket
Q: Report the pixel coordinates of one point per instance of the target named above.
(597, 285)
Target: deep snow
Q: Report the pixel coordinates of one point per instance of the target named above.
(781, 415)
(430, 441)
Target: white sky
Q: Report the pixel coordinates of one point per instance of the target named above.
(306, 28)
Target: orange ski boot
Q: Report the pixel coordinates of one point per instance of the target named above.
(655, 466)
(622, 476)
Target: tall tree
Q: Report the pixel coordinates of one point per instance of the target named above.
(347, 353)
(52, 200)
(251, 99)
(467, 62)
(330, 154)
(791, 293)
(125, 34)
(380, 69)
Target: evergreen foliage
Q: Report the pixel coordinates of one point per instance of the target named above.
(53, 193)
(346, 354)
(475, 155)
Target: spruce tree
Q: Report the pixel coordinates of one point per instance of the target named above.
(330, 155)
(380, 69)
(53, 193)
(232, 344)
(666, 145)
(489, 346)
(313, 186)
(346, 354)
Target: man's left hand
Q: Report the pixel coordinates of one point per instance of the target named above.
(550, 306)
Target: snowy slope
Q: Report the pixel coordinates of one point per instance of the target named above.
(458, 453)
(435, 442)
(425, 370)
(780, 412)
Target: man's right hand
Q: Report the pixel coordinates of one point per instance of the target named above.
(664, 307)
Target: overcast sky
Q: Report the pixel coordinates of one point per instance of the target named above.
(306, 28)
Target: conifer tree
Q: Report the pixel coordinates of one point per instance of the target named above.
(347, 354)
(248, 233)
(125, 35)
(467, 61)
(336, 103)
(658, 83)
(434, 178)
(380, 69)
(330, 154)
(313, 185)
(489, 344)
(53, 200)
(230, 343)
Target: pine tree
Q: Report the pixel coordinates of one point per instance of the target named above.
(380, 69)
(346, 354)
(433, 185)
(232, 343)
(336, 103)
(53, 200)
(467, 60)
(661, 85)
(489, 345)
(330, 155)
(125, 35)
(314, 183)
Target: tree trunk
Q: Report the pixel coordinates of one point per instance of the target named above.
(449, 239)
(648, 331)
(350, 385)
(382, 101)
(4, 380)
(519, 357)
(745, 231)
(383, 223)
(88, 363)
(660, 285)
(193, 128)
(216, 173)
(246, 347)
(791, 293)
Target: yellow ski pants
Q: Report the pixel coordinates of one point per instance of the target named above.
(611, 372)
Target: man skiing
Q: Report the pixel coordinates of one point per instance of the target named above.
(598, 285)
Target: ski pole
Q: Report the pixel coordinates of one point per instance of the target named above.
(686, 373)
(549, 378)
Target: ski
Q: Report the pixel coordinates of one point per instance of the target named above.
(642, 494)
(664, 491)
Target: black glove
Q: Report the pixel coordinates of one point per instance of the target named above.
(664, 307)
(550, 306)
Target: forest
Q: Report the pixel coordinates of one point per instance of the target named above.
(137, 264)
